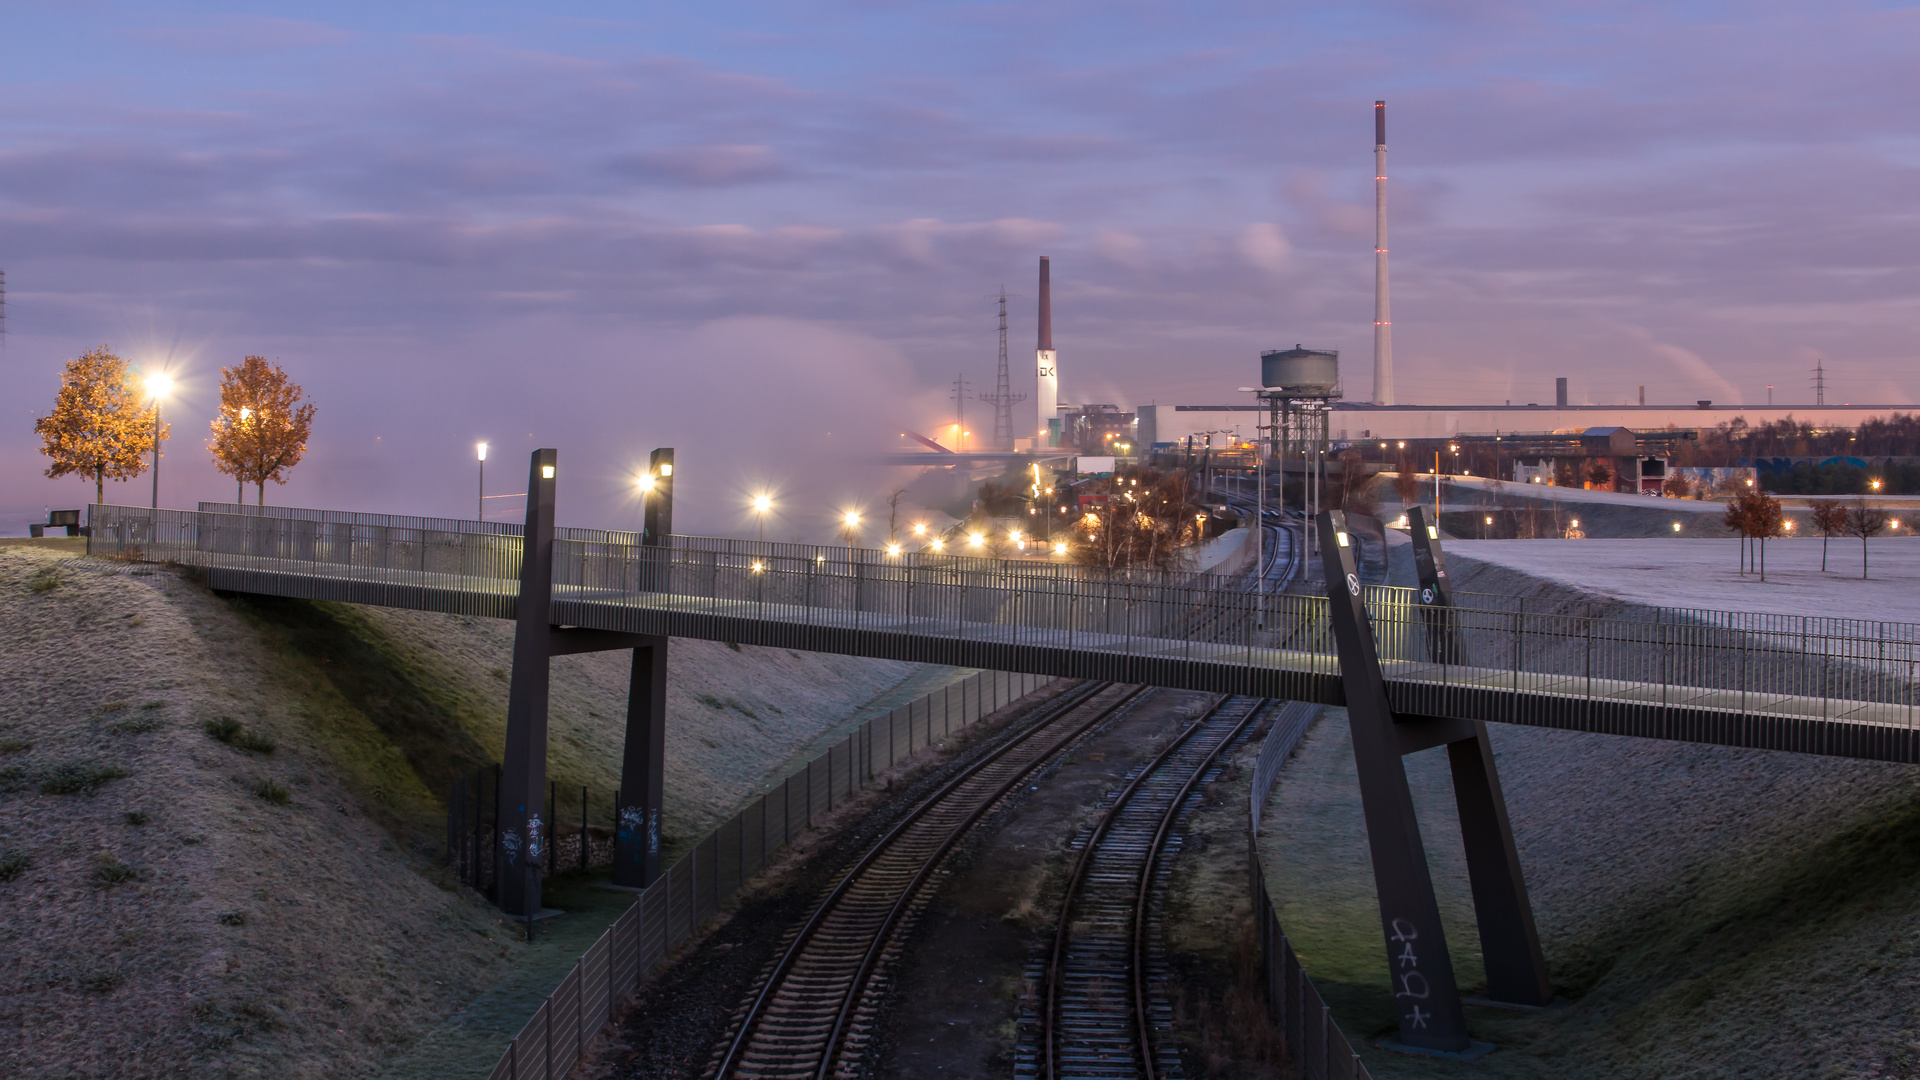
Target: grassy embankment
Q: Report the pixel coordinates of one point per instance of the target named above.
(219, 817)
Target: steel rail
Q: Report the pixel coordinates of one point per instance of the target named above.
(756, 1014)
(1146, 887)
(1056, 963)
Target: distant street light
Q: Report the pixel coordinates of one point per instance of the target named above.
(159, 385)
(761, 504)
(975, 539)
(480, 449)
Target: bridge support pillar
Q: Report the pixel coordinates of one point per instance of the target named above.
(523, 835)
(643, 783)
(1509, 940)
(1426, 998)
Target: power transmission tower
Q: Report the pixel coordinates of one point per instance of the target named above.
(1003, 399)
(1819, 382)
(959, 397)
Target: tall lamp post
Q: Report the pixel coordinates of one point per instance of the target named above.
(240, 482)
(159, 385)
(480, 507)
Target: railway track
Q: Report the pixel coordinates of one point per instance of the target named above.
(1102, 996)
(812, 1014)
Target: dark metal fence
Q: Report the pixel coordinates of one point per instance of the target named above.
(706, 878)
(1314, 1042)
(1807, 683)
(473, 819)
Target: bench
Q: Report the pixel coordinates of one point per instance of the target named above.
(59, 519)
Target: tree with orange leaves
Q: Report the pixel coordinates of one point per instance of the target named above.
(100, 426)
(261, 430)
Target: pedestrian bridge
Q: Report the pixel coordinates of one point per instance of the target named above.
(1801, 683)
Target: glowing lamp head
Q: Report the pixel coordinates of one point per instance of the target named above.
(893, 549)
(757, 568)
(937, 544)
(1433, 533)
(975, 539)
(246, 413)
(546, 472)
(1876, 484)
(480, 449)
(920, 528)
(666, 468)
(1060, 547)
(159, 385)
(644, 482)
(852, 519)
(1341, 537)
(1490, 521)
(762, 504)
(1013, 535)
(1576, 523)
(1676, 526)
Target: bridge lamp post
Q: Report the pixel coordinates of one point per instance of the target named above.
(159, 385)
(240, 482)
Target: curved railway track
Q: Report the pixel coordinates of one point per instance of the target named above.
(812, 1014)
(1098, 1011)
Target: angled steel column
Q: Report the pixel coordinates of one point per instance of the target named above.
(1436, 589)
(643, 783)
(1509, 941)
(657, 520)
(523, 783)
(1426, 999)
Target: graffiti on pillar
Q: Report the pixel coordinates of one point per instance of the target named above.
(535, 847)
(653, 830)
(1412, 986)
(632, 819)
(510, 845)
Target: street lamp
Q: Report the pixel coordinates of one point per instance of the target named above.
(761, 504)
(159, 385)
(480, 451)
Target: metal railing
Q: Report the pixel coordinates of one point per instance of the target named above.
(1314, 1042)
(1827, 685)
(704, 881)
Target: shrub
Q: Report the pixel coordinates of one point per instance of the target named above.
(46, 581)
(77, 778)
(138, 725)
(137, 817)
(222, 729)
(113, 872)
(228, 730)
(14, 746)
(272, 792)
(254, 741)
(232, 918)
(13, 864)
(112, 707)
(101, 982)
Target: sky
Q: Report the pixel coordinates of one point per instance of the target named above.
(769, 234)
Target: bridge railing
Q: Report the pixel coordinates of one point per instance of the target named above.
(1800, 666)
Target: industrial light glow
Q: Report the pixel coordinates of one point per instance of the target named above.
(1676, 526)
(1490, 520)
(479, 448)
(1576, 523)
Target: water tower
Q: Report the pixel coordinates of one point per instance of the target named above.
(1298, 387)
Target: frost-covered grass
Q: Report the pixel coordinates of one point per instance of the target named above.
(263, 896)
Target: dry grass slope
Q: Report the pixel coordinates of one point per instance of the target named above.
(219, 816)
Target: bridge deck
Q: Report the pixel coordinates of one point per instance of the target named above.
(1812, 686)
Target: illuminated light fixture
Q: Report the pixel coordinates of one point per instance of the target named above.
(893, 549)
(852, 518)
(480, 448)
(1340, 537)
(1895, 523)
(1453, 449)
(1676, 526)
(159, 385)
(1060, 548)
(819, 558)
(937, 544)
(1403, 446)
(1433, 533)
(546, 472)
(1013, 535)
(920, 528)
(762, 504)
(975, 539)
(1576, 523)
(1490, 520)
(1876, 484)
(666, 468)
(757, 568)
(644, 482)
(1789, 525)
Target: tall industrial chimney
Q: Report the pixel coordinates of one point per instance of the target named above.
(1382, 318)
(1046, 363)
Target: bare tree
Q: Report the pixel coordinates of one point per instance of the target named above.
(1865, 521)
(1830, 517)
(893, 516)
(1736, 519)
(1766, 519)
